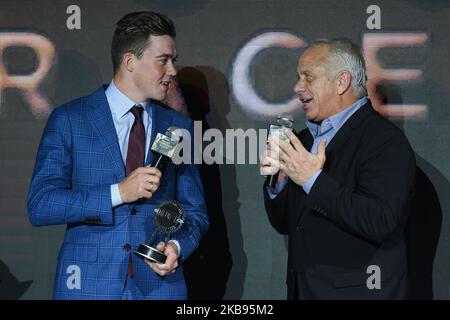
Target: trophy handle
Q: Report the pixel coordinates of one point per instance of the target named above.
(167, 237)
(152, 237)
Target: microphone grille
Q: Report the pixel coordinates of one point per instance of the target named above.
(286, 120)
(174, 133)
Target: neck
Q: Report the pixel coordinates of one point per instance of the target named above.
(345, 101)
(127, 87)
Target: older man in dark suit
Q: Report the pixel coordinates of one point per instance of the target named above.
(345, 185)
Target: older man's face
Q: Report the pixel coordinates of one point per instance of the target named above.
(316, 92)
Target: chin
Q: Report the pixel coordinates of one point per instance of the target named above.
(159, 97)
(309, 117)
(162, 95)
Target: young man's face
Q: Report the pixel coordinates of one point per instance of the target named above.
(316, 92)
(154, 70)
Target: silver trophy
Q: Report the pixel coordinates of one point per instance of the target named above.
(169, 218)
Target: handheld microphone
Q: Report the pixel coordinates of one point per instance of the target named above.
(164, 147)
(284, 122)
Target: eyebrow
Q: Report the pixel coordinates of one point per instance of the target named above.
(167, 56)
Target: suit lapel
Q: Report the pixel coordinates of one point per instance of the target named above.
(100, 117)
(307, 140)
(160, 123)
(341, 137)
(345, 132)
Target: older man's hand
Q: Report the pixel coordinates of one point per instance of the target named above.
(298, 163)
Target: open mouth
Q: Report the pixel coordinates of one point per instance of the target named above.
(165, 84)
(306, 101)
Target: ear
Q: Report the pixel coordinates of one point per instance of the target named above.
(343, 82)
(128, 60)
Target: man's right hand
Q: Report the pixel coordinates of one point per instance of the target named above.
(269, 164)
(270, 158)
(141, 183)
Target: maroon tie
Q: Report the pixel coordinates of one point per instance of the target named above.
(135, 153)
(136, 143)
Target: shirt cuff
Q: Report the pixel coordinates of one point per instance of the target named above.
(273, 192)
(178, 246)
(310, 183)
(115, 195)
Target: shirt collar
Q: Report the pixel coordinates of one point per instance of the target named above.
(335, 121)
(119, 103)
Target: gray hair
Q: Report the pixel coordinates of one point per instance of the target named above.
(345, 56)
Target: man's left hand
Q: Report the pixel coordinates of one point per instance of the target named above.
(296, 161)
(171, 264)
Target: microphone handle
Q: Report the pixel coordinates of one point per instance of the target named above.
(272, 180)
(160, 161)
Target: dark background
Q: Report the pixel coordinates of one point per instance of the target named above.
(247, 256)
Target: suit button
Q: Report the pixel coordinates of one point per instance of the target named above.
(299, 228)
(133, 211)
(126, 247)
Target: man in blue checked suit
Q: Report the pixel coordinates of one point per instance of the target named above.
(92, 173)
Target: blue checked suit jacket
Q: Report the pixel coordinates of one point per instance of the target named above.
(77, 162)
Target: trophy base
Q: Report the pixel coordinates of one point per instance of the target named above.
(151, 254)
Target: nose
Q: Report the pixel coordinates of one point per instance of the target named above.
(299, 86)
(171, 70)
